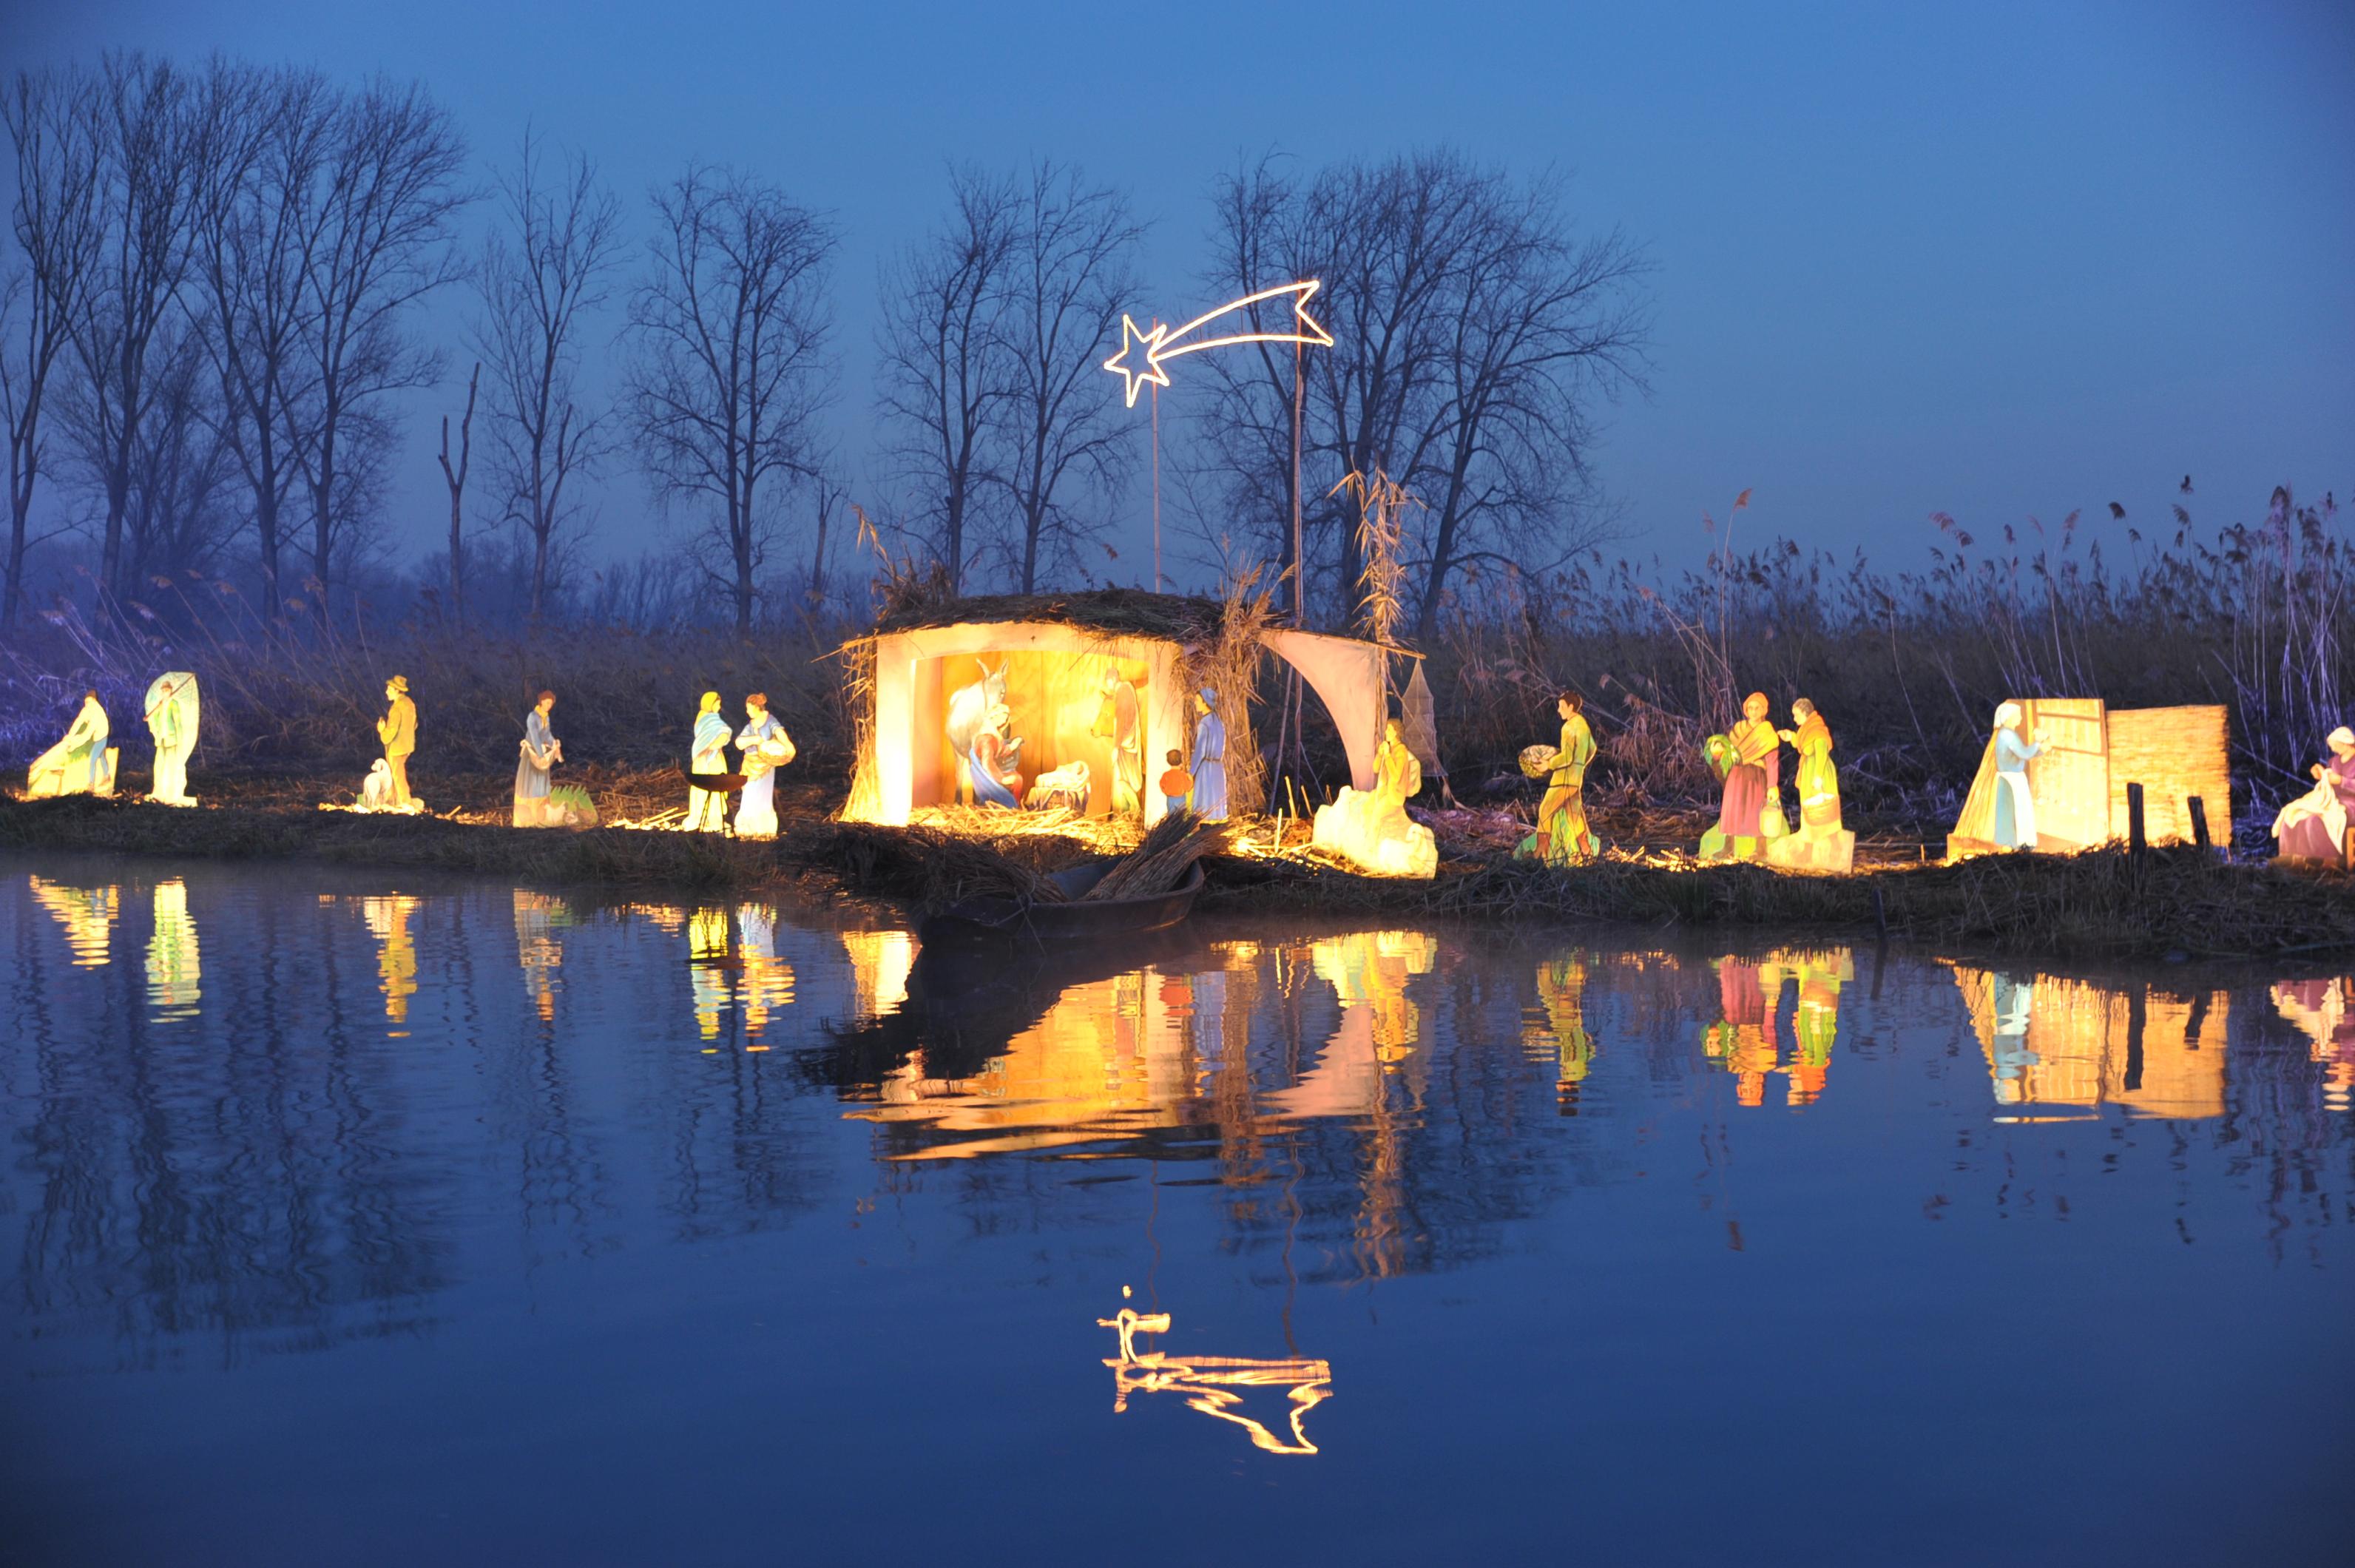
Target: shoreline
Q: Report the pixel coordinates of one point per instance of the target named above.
(2182, 905)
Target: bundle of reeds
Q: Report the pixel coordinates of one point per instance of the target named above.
(927, 867)
(1161, 862)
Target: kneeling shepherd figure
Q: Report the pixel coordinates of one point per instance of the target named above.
(1371, 831)
(82, 763)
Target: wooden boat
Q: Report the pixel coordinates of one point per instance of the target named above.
(1000, 919)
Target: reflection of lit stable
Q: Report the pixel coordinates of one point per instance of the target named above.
(1207, 1383)
(2078, 782)
(2059, 1050)
(1103, 679)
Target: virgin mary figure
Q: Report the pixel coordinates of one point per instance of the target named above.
(996, 762)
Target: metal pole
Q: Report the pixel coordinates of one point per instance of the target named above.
(1299, 562)
(1156, 487)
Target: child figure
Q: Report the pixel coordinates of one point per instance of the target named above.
(1177, 785)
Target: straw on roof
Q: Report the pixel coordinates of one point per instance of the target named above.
(1122, 612)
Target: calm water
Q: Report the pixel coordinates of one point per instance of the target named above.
(353, 1221)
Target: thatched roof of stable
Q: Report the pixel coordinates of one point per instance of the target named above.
(1117, 612)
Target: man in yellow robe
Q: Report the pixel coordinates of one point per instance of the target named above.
(398, 730)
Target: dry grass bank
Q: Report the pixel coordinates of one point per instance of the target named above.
(2086, 907)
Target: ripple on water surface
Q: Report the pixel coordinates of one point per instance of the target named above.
(377, 1219)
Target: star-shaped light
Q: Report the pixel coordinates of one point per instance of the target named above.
(1130, 337)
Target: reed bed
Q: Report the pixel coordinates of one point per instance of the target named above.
(1906, 666)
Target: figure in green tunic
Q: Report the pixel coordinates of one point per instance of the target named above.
(1562, 988)
(1820, 804)
(1562, 837)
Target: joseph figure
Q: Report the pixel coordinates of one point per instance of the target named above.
(1116, 721)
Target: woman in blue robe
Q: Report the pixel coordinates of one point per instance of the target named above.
(540, 751)
(1209, 765)
(997, 774)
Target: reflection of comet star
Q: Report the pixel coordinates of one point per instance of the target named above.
(1208, 1381)
(1164, 343)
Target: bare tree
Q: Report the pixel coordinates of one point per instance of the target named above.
(180, 506)
(1473, 334)
(381, 242)
(258, 207)
(1540, 325)
(456, 479)
(1072, 276)
(731, 322)
(828, 495)
(138, 115)
(549, 267)
(947, 364)
(55, 220)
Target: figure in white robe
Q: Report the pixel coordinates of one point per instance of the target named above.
(172, 720)
(766, 748)
(2015, 807)
(78, 764)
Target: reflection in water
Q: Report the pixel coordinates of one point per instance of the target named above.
(1208, 1382)
(387, 920)
(87, 915)
(537, 918)
(1111, 1059)
(764, 981)
(1556, 1029)
(1380, 1026)
(1746, 1038)
(2058, 1048)
(706, 956)
(751, 978)
(1352, 1107)
(1743, 1039)
(1144, 1050)
(1819, 974)
(2319, 1009)
(879, 962)
(174, 965)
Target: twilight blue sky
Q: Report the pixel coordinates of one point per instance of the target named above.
(1994, 259)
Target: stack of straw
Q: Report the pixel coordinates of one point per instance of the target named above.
(1161, 862)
